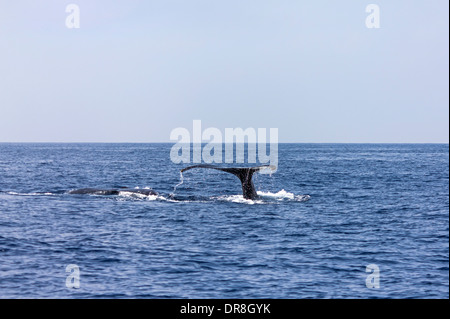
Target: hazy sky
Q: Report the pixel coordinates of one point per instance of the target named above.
(135, 70)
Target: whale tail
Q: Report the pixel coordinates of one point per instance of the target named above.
(244, 174)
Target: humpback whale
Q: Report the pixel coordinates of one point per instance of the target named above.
(115, 191)
(244, 174)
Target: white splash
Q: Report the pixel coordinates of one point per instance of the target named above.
(284, 195)
(128, 194)
(238, 199)
(265, 198)
(30, 194)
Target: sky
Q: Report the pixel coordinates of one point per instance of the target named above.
(135, 70)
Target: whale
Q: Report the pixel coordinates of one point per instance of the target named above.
(114, 191)
(244, 174)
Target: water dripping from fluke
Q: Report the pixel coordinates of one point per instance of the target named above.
(172, 195)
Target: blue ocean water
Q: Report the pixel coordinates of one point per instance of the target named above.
(327, 213)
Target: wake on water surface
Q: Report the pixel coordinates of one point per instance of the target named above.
(264, 197)
(142, 194)
(123, 195)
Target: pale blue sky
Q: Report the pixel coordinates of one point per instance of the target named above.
(135, 70)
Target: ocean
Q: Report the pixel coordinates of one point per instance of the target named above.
(335, 221)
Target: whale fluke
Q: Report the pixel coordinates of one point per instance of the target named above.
(244, 174)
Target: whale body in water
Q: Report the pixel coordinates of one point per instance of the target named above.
(114, 191)
(244, 174)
